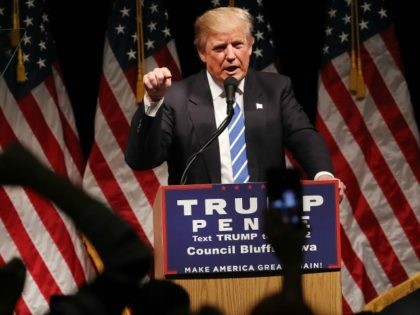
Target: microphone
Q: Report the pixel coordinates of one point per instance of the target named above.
(213, 137)
(230, 84)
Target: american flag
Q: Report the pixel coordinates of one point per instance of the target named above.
(374, 143)
(129, 193)
(37, 113)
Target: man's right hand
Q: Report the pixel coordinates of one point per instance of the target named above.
(156, 83)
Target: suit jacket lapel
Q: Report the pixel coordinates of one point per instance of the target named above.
(255, 125)
(201, 112)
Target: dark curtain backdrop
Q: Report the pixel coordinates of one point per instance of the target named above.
(297, 26)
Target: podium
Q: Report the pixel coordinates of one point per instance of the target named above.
(209, 240)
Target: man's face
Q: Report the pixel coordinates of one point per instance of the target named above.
(227, 54)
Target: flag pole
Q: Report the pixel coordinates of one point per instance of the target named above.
(353, 69)
(140, 52)
(360, 83)
(15, 33)
(14, 41)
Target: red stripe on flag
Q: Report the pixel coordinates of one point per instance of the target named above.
(356, 268)
(130, 77)
(22, 308)
(149, 184)
(346, 307)
(7, 134)
(113, 114)
(72, 143)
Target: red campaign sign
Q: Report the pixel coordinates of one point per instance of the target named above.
(217, 229)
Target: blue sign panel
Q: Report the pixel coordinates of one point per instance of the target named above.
(219, 229)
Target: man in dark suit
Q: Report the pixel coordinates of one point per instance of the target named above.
(175, 120)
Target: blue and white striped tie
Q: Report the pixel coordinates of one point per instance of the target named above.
(238, 146)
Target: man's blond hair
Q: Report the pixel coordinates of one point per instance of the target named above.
(222, 20)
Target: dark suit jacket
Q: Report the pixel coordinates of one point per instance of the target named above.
(186, 121)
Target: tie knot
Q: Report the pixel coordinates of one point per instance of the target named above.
(236, 109)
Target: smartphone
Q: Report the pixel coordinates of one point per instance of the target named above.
(284, 195)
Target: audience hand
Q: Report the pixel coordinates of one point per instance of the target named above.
(17, 165)
(12, 280)
(287, 240)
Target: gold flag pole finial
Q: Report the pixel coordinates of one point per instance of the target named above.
(140, 53)
(361, 89)
(20, 67)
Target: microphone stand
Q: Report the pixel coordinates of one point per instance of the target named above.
(219, 130)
